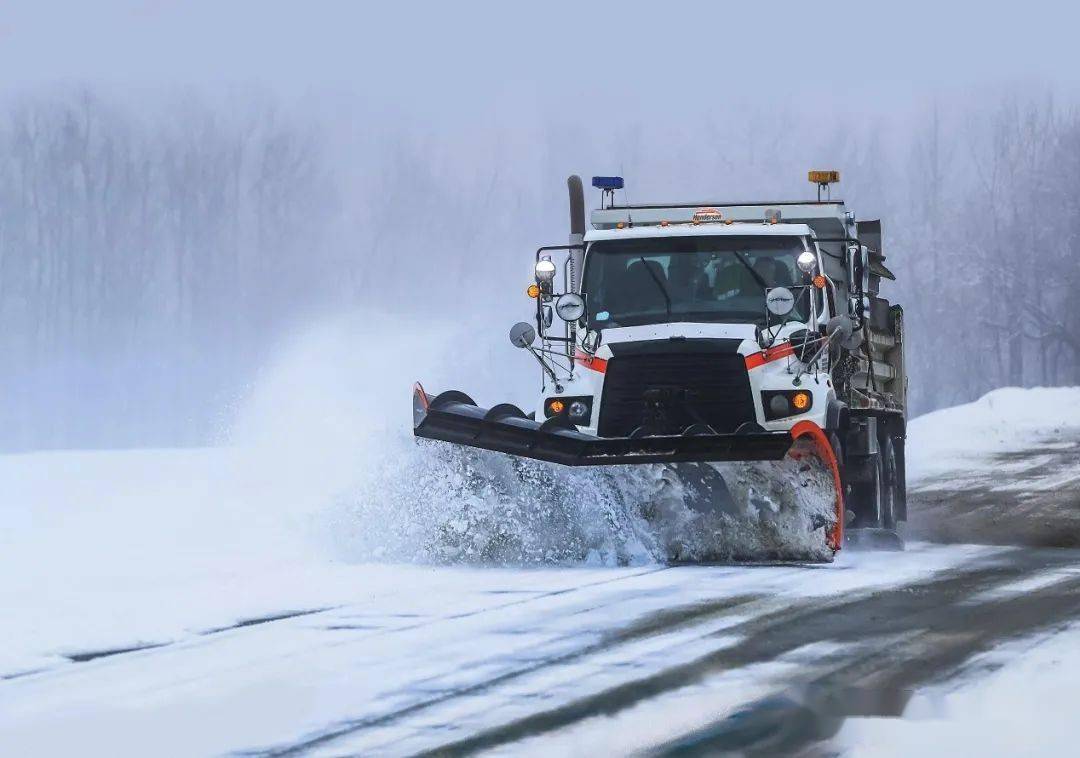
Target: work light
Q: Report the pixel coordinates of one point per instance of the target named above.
(545, 270)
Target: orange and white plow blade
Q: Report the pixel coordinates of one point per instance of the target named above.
(812, 448)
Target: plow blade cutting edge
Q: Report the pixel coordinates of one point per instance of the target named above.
(453, 417)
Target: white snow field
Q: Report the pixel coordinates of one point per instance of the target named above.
(963, 443)
(312, 587)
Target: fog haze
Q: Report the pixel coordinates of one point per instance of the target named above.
(186, 186)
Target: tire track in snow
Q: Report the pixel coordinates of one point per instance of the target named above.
(919, 612)
(123, 652)
(653, 625)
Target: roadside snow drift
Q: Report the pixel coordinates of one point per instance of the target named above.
(1003, 470)
(967, 438)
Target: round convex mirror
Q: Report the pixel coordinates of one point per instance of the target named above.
(780, 301)
(570, 307)
(522, 334)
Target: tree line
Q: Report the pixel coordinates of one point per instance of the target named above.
(150, 259)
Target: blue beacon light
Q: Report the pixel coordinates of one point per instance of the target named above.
(608, 183)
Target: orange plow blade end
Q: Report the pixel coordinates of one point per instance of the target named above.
(812, 447)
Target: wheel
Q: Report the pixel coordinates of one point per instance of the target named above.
(889, 484)
(901, 480)
(863, 491)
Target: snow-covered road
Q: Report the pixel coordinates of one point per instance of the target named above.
(230, 601)
(568, 661)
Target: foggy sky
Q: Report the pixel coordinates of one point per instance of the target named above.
(623, 58)
(475, 115)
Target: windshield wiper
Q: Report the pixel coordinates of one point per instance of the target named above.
(753, 272)
(660, 284)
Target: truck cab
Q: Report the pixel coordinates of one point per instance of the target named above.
(677, 329)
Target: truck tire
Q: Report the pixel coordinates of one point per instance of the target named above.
(865, 491)
(889, 479)
(901, 478)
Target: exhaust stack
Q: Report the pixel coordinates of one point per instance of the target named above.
(577, 229)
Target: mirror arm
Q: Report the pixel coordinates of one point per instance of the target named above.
(547, 369)
(826, 342)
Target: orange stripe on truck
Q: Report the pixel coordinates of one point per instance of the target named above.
(752, 361)
(591, 362)
(768, 356)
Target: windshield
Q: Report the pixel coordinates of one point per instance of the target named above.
(659, 279)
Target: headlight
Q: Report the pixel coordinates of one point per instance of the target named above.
(545, 270)
(579, 411)
(806, 261)
(780, 404)
(570, 307)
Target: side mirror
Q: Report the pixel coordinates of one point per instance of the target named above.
(841, 330)
(780, 301)
(522, 334)
(570, 307)
(591, 341)
(839, 327)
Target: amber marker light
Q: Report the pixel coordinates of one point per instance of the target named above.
(819, 282)
(824, 177)
(533, 290)
(801, 400)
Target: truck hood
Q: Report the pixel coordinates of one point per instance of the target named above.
(678, 329)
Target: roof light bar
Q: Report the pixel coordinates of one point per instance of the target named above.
(608, 183)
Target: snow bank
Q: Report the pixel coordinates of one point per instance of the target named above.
(1011, 419)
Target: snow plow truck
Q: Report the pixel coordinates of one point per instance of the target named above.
(693, 334)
